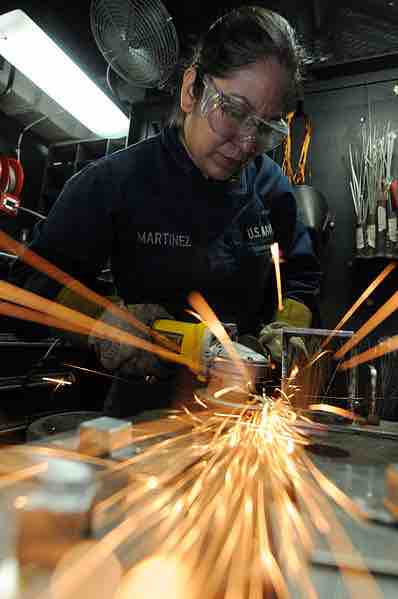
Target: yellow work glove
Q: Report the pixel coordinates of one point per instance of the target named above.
(293, 314)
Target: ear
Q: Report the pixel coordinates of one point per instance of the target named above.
(187, 98)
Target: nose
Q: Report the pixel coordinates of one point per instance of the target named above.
(241, 147)
(233, 149)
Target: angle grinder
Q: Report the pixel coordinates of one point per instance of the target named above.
(211, 362)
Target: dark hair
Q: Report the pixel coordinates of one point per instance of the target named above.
(240, 38)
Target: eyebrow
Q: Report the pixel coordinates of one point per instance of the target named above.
(275, 117)
(239, 97)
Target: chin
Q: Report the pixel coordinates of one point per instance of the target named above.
(222, 176)
(219, 173)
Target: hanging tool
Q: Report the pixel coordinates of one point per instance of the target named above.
(297, 177)
(11, 183)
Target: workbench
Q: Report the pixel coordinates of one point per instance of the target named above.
(355, 458)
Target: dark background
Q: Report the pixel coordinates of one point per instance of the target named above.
(352, 68)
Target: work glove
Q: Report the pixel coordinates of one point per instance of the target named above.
(127, 359)
(293, 314)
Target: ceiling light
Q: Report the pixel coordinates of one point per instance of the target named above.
(27, 47)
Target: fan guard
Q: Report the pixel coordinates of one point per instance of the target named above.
(137, 38)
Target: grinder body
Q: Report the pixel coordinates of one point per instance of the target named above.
(208, 356)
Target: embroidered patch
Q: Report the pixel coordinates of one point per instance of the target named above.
(164, 239)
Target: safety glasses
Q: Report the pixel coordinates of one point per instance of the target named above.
(230, 118)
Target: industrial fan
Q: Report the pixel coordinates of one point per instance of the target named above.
(137, 38)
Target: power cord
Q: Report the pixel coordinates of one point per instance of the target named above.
(27, 128)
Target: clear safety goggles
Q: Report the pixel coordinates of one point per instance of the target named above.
(230, 118)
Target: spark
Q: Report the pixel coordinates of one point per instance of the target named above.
(199, 401)
(332, 410)
(58, 382)
(225, 391)
(96, 372)
(276, 260)
(318, 355)
(208, 316)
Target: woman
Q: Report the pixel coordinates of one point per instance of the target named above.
(198, 206)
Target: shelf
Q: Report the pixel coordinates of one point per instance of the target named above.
(65, 159)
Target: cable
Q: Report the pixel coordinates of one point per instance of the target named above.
(20, 138)
(33, 212)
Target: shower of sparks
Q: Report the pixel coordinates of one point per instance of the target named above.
(276, 260)
(229, 508)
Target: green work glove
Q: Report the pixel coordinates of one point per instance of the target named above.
(293, 314)
(127, 359)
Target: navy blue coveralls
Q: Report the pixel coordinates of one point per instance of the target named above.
(166, 230)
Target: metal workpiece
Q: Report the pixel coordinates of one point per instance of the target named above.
(103, 436)
(322, 381)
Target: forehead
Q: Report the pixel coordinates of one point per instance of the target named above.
(263, 85)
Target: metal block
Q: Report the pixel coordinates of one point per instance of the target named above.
(322, 382)
(104, 435)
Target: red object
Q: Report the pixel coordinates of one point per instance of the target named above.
(11, 183)
(4, 173)
(394, 194)
(9, 203)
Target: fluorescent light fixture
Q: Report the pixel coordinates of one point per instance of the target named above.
(26, 46)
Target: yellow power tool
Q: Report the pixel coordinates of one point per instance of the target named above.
(208, 356)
